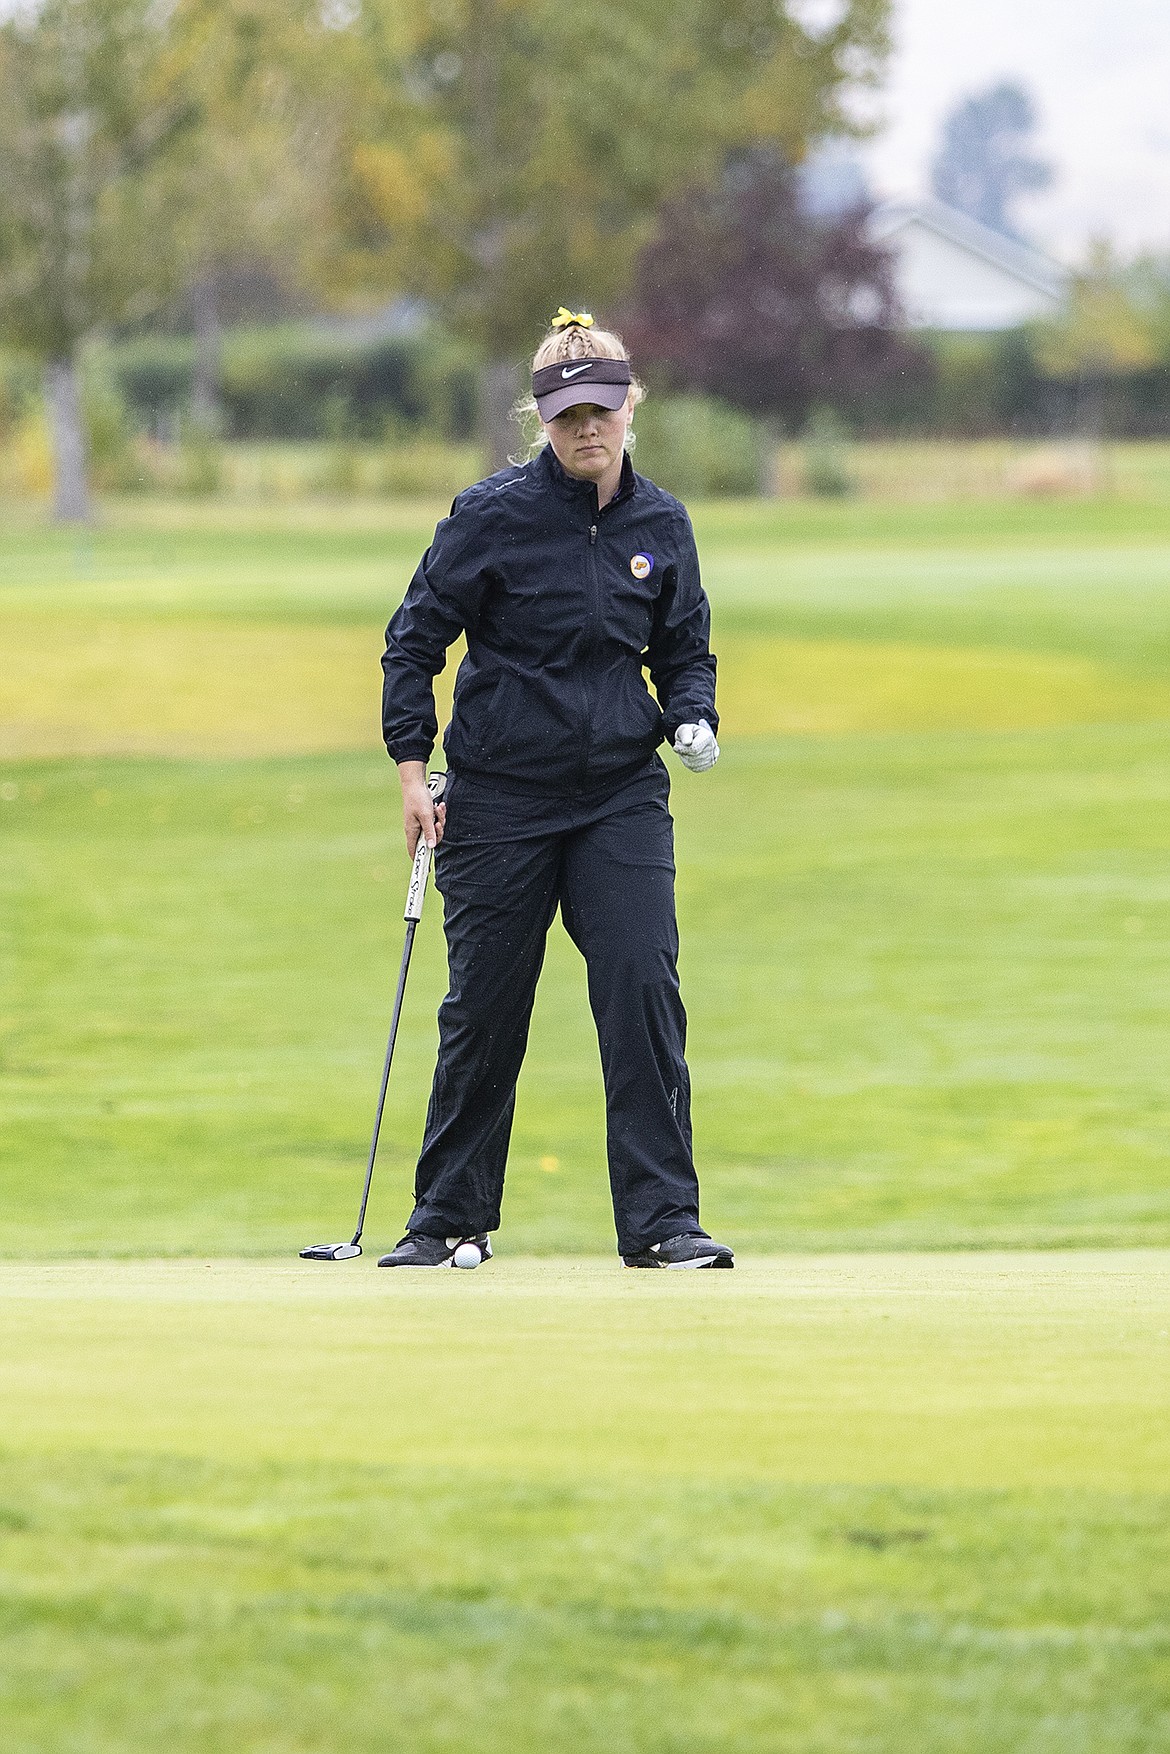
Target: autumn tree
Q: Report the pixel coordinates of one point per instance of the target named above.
(522, 148)
(139, 142)
(92, 106)
(272, 78)
(1106, 328)
(746, 296)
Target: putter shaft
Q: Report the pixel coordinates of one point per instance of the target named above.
(412, 914)
(411, 928)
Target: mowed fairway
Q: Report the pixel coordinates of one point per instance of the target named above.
(824, 1504)
(899, 1483)
(924, 898)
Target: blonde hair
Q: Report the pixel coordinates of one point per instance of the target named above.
(572, 342)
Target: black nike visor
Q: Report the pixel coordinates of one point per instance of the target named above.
(570, 382)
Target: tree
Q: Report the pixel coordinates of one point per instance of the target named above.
(746, 296)
(92, 105)
(983, 165)
(1109, 325)
(519, 158)
(139, 141)
(271, 78)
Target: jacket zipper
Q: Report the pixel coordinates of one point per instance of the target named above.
(592, 611)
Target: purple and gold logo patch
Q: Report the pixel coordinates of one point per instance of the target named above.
(642, 565)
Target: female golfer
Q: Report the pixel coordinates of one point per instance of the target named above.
(569, 574)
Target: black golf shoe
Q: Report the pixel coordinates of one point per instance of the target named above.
(683, 1251)
(416, 1250)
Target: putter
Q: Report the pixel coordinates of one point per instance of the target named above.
(346, 1251)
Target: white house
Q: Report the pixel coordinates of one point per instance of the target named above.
(951, 272)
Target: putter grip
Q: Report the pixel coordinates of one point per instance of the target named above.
(417, 889)
(418, 882)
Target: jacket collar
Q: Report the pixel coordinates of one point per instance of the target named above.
(572, 488)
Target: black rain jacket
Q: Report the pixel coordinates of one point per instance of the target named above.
(563, 607)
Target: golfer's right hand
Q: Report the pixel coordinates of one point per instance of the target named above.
(420, 815)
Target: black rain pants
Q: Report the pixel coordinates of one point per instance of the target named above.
(506, 861)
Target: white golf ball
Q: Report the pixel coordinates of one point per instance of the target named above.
(467, 1255)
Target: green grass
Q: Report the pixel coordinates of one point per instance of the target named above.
(923, 898)
(835, 1503)
(829, 1505)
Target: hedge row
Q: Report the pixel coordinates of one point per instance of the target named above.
(304, 382)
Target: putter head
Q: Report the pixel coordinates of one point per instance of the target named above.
(331, 1251)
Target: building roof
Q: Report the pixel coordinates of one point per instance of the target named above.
(932, 242)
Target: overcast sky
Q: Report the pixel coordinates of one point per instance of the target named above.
(1100, 74)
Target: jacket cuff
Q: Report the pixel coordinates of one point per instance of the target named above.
(410, 749)
(691, 716)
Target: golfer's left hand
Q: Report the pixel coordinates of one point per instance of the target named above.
(696, 747)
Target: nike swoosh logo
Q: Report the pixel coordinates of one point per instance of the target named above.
(576, 371)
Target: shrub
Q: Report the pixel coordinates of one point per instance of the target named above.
(696, 446)
(201, 461)
(426, 468)
(26, 460)
(109, 427)
(824, 458)
(20, 390)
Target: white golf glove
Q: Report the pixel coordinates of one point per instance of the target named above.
(696, 747)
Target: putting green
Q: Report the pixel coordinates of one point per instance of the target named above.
(923, 905)
(988, 1370)
(821, 1505)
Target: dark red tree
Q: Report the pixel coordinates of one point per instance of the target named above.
(745, 296)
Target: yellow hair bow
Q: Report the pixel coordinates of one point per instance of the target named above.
(564, 319)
